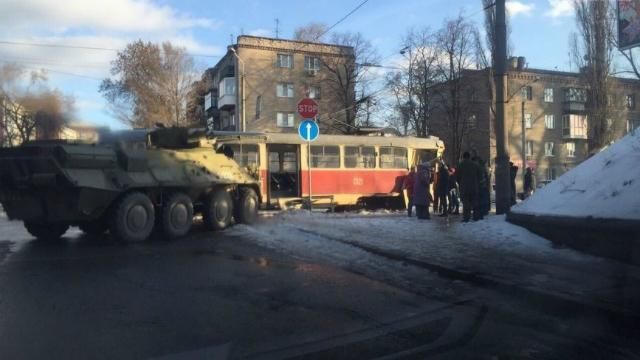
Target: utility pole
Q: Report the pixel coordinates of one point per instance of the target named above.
(524, 144)
(277, 28)
(503, 191)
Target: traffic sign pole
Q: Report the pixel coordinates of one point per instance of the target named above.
(309, 131)
(309, 175)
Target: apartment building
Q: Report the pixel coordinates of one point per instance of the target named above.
(259, 81)
(545, 118)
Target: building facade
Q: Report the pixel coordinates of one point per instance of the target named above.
(546, 118)
(258, 83)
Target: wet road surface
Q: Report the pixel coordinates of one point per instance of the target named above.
(219, 295)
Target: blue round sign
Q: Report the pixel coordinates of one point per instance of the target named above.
(308, 130)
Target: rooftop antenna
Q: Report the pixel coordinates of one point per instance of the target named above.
(231, 39)
(277, 28)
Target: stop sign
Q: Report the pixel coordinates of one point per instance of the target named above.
(308, 108)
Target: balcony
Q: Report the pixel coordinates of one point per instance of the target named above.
(574, 100)
(573, 107)
(227, 93)
(574, 126)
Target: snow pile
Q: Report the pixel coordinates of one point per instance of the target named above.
(604, 186)
(492, 247)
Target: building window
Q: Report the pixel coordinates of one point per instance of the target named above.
(359, 157)
(630, 101)
(284, 90)
(527, 93)
(227, 86)
(528, 150)
(471, 122)
(571, 149)
(574, 126)
(549, 149)
(548, 95)
(575, 95)
(285, 61)
(472, 95)
(632, 125)
(325, 156)
(285, 119)
(611, 100)
(393, 158)
(311, 63)
(258, 106)
(609, 124)
(528, 121)
(549, 122)
(314, 92)
(551, 174)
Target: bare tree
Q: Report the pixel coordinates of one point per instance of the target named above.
(456, 42)
(313, 32)
(413, 87)
(348, 72)
(29, 107)
(592, 50)
(150, 84)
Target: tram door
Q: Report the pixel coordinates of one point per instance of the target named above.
(284, 170)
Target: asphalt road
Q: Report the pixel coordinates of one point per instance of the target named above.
(218, 295)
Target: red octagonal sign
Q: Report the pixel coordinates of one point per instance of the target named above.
(308, 108)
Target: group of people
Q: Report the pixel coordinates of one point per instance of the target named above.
(469, 181)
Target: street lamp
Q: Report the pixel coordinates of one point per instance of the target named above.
(242, 76)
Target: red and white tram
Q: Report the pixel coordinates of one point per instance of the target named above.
(349, 169)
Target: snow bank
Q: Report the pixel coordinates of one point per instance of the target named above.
(492, 247)
(605, 186)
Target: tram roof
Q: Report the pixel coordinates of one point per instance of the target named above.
(282, 138)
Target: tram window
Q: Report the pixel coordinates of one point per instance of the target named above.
(325, 156)
(425, 155)
(393, 158)
(359, 157)
(245, 154)
(289, 162)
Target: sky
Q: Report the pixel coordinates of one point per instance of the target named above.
(540, 32)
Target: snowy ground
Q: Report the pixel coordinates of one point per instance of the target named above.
(604, 186)
(492, 249)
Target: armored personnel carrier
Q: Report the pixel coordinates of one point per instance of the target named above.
(128, 183)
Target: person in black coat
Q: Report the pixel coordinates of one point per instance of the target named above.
(529, 182)
(442, 190)
(513, 171)
(469, 174)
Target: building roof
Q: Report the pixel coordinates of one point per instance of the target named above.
(291, 41)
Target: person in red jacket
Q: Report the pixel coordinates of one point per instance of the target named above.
(408, 184)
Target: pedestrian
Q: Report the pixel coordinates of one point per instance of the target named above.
(421, 193)
(484, 193)
(442, 189)
(435, 200)
(407, 185)
(468, 175)
(454, 203)
(529, 182)
(513, 172)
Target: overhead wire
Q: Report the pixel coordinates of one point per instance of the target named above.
(56, 71)
(82, 47)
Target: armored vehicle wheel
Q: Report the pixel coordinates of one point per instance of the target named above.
(94, 228)
(177, 215)
(46, 231)
(247, 208)
(218, 210)
(133, 218)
